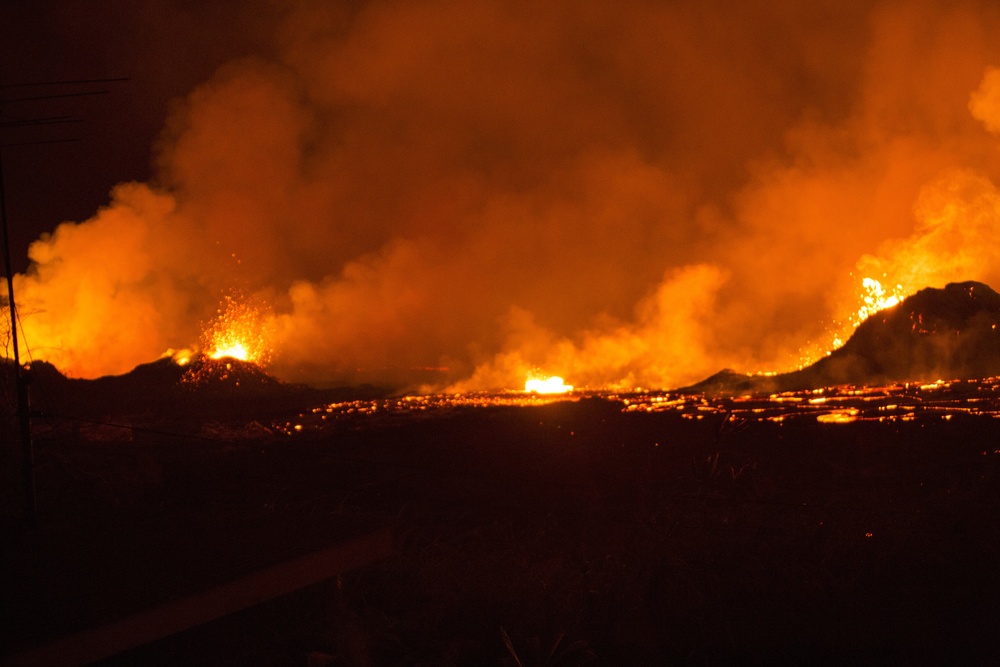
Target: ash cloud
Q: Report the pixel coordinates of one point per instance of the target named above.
(634, 193)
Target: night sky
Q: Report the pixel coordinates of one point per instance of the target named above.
(163, 49)
(633, 193)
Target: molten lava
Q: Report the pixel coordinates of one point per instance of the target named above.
(235, 351)
(549, 385)
(241, 330)
(875, 297)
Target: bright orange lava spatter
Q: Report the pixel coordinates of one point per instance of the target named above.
(241, 330)
(875, 297)
(872, 296)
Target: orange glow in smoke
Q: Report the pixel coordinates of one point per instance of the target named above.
(241, 330)
(549, 385)
(387, 195)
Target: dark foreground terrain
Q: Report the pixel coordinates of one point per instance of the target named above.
(599, 530)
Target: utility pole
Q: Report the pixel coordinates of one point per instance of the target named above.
(20, 377)
(20, 386)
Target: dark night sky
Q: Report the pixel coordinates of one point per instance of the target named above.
(164, 48)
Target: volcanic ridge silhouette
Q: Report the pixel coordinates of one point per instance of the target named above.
(223, 388)
(938, 333)
(935, 334)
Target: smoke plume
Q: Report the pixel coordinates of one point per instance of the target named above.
(632, 193)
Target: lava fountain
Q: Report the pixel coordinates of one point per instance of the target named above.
(242, 329)
(875, 297)
(549, 385)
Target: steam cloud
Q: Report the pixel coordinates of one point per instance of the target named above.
(634, 193)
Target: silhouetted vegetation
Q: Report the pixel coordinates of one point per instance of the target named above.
(560, 534)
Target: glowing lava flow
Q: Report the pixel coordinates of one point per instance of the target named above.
(549, 385)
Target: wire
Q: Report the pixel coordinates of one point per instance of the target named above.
(53, 97)
(68, 82)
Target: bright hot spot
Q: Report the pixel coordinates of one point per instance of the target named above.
(875, 297)
(549, 385)
(241, 330)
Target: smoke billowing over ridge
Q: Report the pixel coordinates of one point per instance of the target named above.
(634, 193)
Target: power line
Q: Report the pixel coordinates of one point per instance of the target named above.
(67, 82)
(20, 381)
(49, 120)
(55, 96)
(41, 142)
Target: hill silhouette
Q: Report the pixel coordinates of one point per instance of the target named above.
(227, 388)
(938, 333)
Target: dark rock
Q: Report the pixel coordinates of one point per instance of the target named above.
(202, 389)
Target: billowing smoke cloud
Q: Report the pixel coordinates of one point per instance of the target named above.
(633, 193)
(985, 102)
